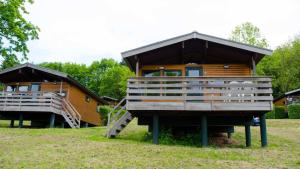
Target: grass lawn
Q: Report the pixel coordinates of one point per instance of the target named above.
(87, 148)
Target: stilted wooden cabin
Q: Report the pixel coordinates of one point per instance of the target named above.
(46, 98)
(195, 80)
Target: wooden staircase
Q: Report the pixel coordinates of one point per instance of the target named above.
(70, 114)
(118, 121)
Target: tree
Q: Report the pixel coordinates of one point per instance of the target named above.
(114, 82)
(249, 34)
(15, 32)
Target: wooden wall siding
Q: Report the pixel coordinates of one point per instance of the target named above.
(54, 86)
(208, 69)
(233, 70)
(87, 110)
(280, 102)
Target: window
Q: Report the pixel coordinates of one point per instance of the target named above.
(23, 88)
(87, 99)
(35, 87)
(151, 73)
(11, 88)
(172, 73)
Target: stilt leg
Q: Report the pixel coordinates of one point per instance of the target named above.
(155, 130)
(204, 135)
(263, 130)
(52, 120)
(12, 123)
(248, 134)
(86, 125)
(21, 120)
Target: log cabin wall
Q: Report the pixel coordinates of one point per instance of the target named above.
(280, 102)
(85, 104)
(208, 69)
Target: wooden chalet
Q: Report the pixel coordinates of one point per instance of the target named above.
(195, 81)
(47, 98)
(291, 97)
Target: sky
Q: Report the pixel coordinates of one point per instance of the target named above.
(82, 31)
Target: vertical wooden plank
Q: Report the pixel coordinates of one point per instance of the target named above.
(137, 67)
(204, 135)
(155, 130)
(253, 66)
(263, 130)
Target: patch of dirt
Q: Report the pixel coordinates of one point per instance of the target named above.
(221, 140)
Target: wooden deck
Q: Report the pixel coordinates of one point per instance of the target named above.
(200, 93)
(30, 102)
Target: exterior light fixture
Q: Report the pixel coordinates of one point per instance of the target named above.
(226, 66)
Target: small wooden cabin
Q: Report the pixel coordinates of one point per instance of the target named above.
(46, 98)
(290, 97)
(195, 81)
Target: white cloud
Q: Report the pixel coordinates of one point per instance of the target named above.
(84, 31)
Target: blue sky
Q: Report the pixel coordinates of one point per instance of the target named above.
(83, 31)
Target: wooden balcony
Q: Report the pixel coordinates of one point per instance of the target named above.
(30, 102)
(199, 94)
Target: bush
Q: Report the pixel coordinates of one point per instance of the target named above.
(294, 111)
(270, 114)
(277, 113)
(104, 111)
(280, 112)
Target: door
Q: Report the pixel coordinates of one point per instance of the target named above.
(194, 85)
(35, 88)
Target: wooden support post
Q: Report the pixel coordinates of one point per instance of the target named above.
(63, 124)
(204, 135)
(229, 135)
(263, 130)
(86, 124)
(52, 120)
(248, 134)
(253, 66)
(137, 67)
(155, 130)
(12, 123)
(21, 120)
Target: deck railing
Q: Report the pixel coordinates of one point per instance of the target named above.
(199, 93)
(30, 101)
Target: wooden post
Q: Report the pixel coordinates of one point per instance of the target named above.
(204, 135)
(63, 124)
(52, 120)
(248, 134)
(253, 66)
(12, 123)
(263, 130)
(155, 130)
(60, 89)
(137, 67)
(86, 124)
(21, 120)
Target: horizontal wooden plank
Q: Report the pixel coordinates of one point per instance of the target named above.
(211, 91)
(200, 98)
(144, 85)
(259, 106)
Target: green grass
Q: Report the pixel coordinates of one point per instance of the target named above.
(87, 148)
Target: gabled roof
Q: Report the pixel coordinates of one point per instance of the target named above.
(55, 74)
(195, 35)
(292, 91)
(287, 93)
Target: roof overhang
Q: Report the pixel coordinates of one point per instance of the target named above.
(193, 36)
(32, 73)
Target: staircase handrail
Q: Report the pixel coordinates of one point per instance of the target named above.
(110, 119)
